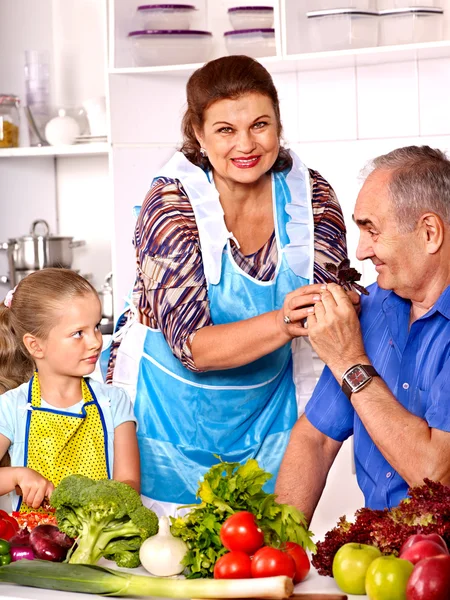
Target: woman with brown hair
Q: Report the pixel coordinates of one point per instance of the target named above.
(230, 235)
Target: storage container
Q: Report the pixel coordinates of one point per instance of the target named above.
(314, 5)
(251, 17)
(9, 121)
(170, 47)
(410, 25)
(165, 16)
(252, 42)
(341, 29)
(390, 4)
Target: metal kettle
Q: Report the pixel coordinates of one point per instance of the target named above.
(106, 298)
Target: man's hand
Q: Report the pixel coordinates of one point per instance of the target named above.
(334, 331)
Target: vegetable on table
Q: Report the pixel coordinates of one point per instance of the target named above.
(162, 553)
(31, 520)
(8, 525)
(241, 532)
(22, 552)
(425, 510)
(106, 517)
(92, 579)
(49, 543)
(228, 488)
(233, 565)
(269, 562)
(302, 564)
(5, 552)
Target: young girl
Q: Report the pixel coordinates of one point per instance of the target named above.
(58, 421)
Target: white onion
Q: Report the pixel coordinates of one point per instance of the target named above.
(162, 554)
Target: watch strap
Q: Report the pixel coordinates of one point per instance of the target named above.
(347, 389)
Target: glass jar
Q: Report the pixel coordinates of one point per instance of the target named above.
(9, 121)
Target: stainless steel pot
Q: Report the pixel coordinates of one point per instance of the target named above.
(34, 251)
(106, 298)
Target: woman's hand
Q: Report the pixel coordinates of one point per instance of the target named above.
(33, 486)
(297, 306)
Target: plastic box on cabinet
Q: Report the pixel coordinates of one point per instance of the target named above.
(341, 29)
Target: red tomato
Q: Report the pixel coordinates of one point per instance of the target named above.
(301, 560)
(269, 562)
(233, 565)
(240, 532)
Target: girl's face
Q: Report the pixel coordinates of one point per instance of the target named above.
(73, 345)
(241, 138)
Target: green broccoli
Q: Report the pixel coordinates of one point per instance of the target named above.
(106, 517)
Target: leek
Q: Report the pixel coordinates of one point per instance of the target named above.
(92, 579)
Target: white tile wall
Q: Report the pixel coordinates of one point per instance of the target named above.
(327, 105)
(434, 95)
(140, 166)
(285, 83)
(146, 110)
(92, 220)
(388, 100)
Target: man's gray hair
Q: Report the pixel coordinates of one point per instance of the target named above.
(419, 183)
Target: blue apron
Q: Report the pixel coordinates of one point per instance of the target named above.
(188, 419)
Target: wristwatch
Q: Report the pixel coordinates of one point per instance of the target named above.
(356, 378)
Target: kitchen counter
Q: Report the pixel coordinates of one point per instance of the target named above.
(313, 583)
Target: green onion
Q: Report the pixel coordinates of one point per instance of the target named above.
(92, 579)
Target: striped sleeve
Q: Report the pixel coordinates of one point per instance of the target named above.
(330, 243)
(173, 294)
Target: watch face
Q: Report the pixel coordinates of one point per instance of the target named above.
(356, 377)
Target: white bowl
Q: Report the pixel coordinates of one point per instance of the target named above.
(410, 25)
(252, 42)
(341, 29)
(170, 47)
(251, 17)
(165, 16)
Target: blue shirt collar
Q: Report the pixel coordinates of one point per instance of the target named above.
(397, 303)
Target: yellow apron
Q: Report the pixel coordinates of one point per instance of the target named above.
(58, 444)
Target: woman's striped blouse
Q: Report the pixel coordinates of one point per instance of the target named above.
(170, 291)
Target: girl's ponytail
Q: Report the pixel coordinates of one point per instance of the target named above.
(16, 367)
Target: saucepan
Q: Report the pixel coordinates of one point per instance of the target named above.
(37, 251)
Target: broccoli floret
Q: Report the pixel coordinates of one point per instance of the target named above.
(106, 517)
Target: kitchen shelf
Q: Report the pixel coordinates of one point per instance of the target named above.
(317, 60)
(97, 148)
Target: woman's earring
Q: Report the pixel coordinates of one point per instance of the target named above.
(203, 152)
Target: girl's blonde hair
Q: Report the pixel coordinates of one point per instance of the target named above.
(34, 309)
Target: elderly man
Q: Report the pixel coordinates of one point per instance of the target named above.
(387, 379)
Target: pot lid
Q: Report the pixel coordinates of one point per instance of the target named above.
(162, 6)
(340, 11)
(168, 32)
(259, 30)
(239, 8)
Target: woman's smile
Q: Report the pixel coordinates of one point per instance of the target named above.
(246, 163)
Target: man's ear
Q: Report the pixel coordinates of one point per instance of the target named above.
(33, 345)
(433, 230)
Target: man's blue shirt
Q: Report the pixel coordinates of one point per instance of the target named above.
(415, 365)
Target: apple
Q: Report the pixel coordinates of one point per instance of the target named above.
(430, 579)
(387, 577)
(418, 537)
(421, 549)
(350, 565)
